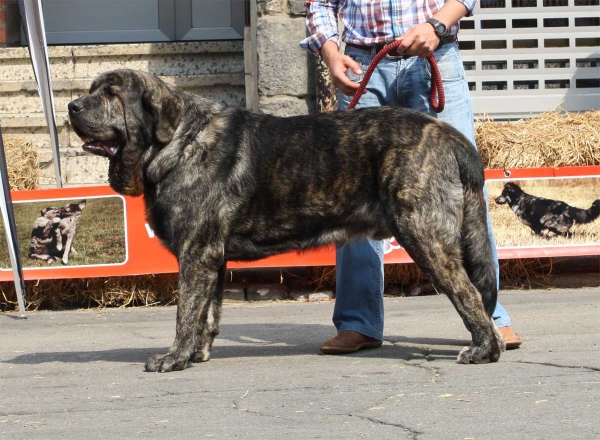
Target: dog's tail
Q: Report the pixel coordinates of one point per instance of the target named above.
(585, 215)
(478, 258)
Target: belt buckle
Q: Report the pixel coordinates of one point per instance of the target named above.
(389, 56)
(394, 57)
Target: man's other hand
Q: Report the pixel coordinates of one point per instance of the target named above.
(338, 64)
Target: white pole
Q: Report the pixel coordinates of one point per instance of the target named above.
(31, 12)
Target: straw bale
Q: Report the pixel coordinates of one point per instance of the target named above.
(21, 163)
(553, 139)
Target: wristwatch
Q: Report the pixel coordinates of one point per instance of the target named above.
(439, 28)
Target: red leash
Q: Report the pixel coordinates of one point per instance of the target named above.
(436, 96)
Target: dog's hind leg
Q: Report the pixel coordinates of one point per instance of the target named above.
(476, 248)
(210, 329)
(198, 279)
(478, 257)
(430, 231)
(445, 269)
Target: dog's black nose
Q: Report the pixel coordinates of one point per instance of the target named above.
(75, 106)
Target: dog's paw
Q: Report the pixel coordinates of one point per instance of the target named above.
(201, 356)
(478, 355)
(165, 363)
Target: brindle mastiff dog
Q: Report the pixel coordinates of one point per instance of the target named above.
(223, 184)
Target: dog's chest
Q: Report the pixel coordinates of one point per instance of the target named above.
(520, 213)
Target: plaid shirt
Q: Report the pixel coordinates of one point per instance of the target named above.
(367, 22)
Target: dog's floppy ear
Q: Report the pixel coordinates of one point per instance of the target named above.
(165, 109)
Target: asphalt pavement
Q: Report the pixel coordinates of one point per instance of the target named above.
(79, 375)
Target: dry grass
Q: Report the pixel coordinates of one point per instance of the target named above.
(516, 272)
(22, 163)
(139, 291)
(553, 139)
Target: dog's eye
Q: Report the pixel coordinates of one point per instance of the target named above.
(110, 91)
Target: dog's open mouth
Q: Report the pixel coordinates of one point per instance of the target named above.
(100, 148)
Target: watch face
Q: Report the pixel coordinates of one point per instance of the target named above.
(440, 28)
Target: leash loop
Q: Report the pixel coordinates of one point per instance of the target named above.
(436, 95)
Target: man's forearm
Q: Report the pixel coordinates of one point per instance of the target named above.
(451, 13)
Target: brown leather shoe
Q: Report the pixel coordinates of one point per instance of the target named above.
(349, 341)
(511, 339)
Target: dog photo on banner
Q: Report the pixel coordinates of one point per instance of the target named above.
(77, 232)
(539, 213)
(545, 212)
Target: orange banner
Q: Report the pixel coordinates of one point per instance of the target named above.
(110, 236)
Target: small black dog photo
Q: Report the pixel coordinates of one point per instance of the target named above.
(541, 214)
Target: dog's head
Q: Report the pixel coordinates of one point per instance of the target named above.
(125, 113)
(72, 209)
(49, 212)
(510, 194)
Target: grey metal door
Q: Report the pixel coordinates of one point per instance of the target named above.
(210, 19)
(129, 21)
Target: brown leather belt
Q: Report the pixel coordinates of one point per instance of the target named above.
(393, 54)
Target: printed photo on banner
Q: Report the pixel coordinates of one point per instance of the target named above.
(538, 216)
(545, 212)
(69, 232)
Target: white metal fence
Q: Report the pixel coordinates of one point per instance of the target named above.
(529, 56)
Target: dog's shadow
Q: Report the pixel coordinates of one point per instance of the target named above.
(264, 340)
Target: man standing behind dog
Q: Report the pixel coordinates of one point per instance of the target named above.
(402, 78)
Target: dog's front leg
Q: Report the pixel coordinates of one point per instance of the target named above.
(209, 327)
(67, 250)
(198, 280)
(58, 237)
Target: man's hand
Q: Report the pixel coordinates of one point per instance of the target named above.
(419, 40)
(338, 64)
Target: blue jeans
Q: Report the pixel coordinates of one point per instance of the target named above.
(406, 83)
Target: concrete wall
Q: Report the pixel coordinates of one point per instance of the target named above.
(286, 80)
(212, 69)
